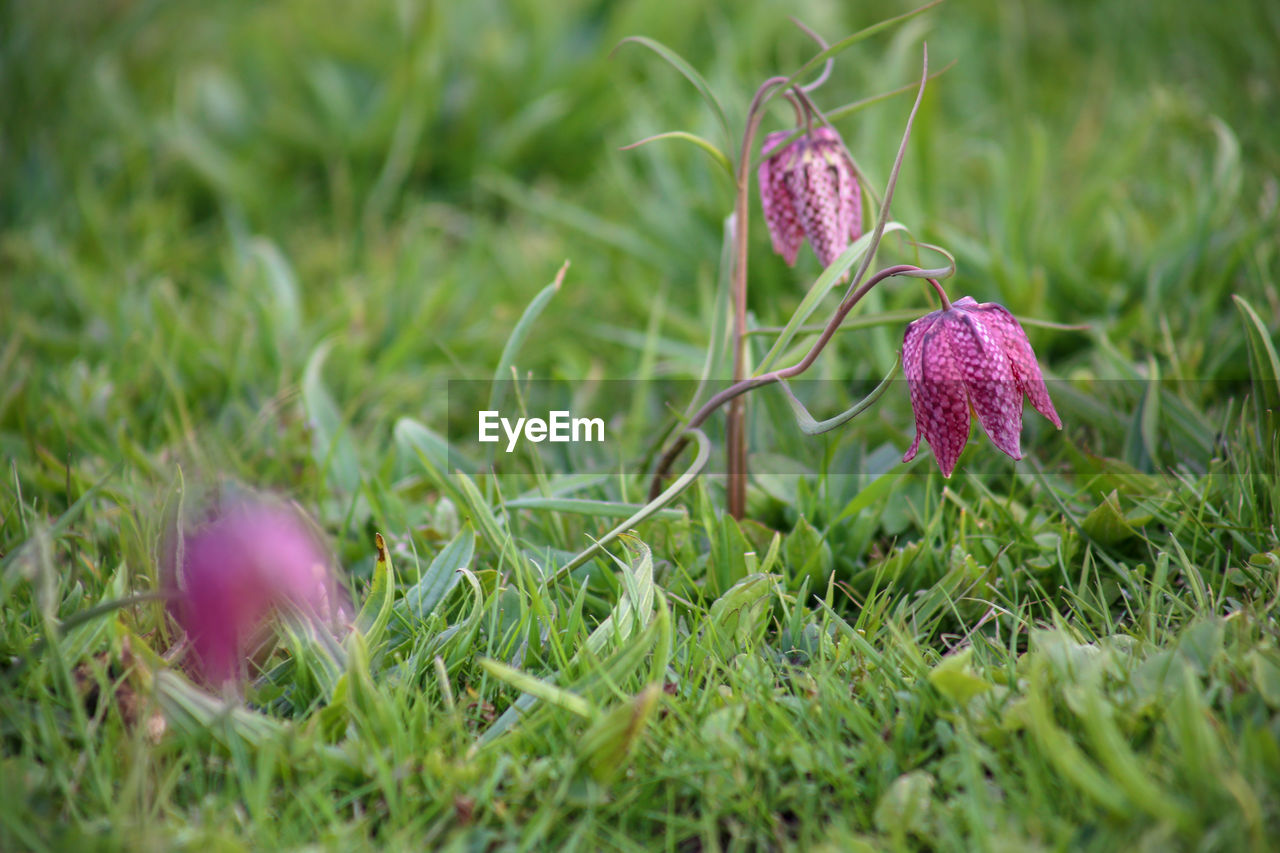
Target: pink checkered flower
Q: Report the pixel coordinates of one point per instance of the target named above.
(253, 560)
(970, 358)
(810, 189)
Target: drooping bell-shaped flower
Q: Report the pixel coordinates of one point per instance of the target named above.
(810, 189)
(970, 357)
(253, 560)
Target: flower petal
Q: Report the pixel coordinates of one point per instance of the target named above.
(849, 195)
(912, 339)
(815, 190)
(248, 561)
(938, 397)
(988, 378)
(1026, 370)
(785, 230)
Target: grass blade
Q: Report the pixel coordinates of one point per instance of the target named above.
(506, 362)
(715, 153)
(678, 63)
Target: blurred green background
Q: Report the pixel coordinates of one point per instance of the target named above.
(416, 171)
(245, 239)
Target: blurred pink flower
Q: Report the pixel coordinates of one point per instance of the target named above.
(970, 357)
(810, 189)
(253, 560)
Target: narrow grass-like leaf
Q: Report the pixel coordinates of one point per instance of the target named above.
(873, 492)
(1120, 761)
(847, 42)
(826, 282)
(634, 606)
(441, 576)
(502, 373)
(282, 284)
(678, 63)
(599, 509)
(372, 619)
(331, 446)
(711, 150)
(1264, 365)
(1067, 758)
(606, 746)
(862, 103)
(622, 237)
(809, 426)
(668, 495)
(412, 437)
(538, 688)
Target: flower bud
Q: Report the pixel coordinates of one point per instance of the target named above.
(250, 562)
(810, 189)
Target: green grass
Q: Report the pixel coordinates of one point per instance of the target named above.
(250, 246)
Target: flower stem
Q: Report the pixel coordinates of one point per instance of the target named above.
(735, 430)
(942, 294)
(740, 387)
(735, 439)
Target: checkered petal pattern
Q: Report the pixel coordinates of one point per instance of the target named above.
(810, 189)
(779, 213)
(970, 358)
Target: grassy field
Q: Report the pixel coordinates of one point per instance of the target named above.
(249, 246)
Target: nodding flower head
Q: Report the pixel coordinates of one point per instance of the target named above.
(970, 357)
(232, 573)
(810, 189)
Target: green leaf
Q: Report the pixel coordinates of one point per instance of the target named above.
(715, 153)
(281, 284)
(678, 63)
(847, 42)
(441, 576)
(809, 426)
(1201, 644)
(1264, 366)
(1072, 764)
(599, 509)
(1106, 524)
(1266, 675)
(824, 285)
(372, 619)
(589, 222)
(652, 507)
(331, 446)
(862, 103)
(635, 605)
(904, 807)
(606, 746)
(741, 611)
(487, 524)
(415, 440)
(719, 341)
(502, 374)
(955, 679)
(538, 688)
(808, 554)
(873, 493)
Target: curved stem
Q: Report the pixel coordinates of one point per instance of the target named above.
(822, 45)
(742, 386)
(893, 178)
(942, 294)
(734, 435)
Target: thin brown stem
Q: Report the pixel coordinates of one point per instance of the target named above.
(735, 391)
(942, 294)
(735, 435)
(735, 432)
